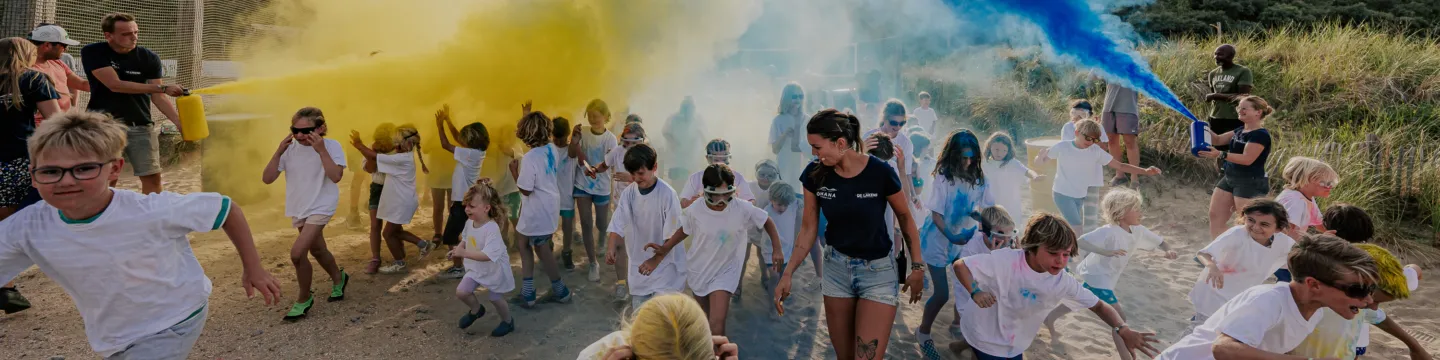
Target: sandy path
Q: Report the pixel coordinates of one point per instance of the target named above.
(414, 316)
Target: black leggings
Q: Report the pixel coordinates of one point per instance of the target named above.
(455, 224)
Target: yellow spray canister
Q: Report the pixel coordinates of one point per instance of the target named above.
(192, 117)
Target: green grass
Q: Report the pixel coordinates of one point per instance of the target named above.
(1333, 88)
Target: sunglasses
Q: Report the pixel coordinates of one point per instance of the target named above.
(894, 123)
(53, 174)
(797, 97)
(1355, 291)
(768, 175)
(300, 130)
(1328, 184)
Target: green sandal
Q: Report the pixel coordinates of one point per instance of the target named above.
(337, 291)
(299, 310)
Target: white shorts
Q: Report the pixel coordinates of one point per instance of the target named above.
(317, 219)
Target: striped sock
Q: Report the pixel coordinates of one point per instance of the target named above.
(527, 290)
(558, 287)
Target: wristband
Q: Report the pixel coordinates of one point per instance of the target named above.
(974, 291)
(917, 267)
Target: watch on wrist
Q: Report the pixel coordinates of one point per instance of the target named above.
(1121, 327)
(917, 267)
(163, 87)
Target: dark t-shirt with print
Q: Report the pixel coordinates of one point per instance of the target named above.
(17, 121)
(137, 66)
(1227, 81)
(1237, 146)
(855, 208)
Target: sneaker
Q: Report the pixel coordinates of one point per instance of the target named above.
(469, 318)
(395, 268)
(337, 291)
(504, 328)
(566, 260)
(13, 302)
(426, 246)
(622, 292)
(955, 330)
(563, 297)
(453, 273)
(594, 273)
(372, 267)
(299, 310)
(927, 349)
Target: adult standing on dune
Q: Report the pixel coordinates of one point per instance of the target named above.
(1228, 83)
(127, 79)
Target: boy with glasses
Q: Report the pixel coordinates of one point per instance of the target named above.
(123, 257)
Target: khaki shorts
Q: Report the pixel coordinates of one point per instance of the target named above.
(142, 149)
(316, 219)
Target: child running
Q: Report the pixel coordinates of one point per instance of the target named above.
(667, 327)
(1010, 292)
(997, 231)
(1347, 339)
(469, 154)
(540, 207)
(958, 191)
(107, 247)
(1268, 321)
(631, 134)
(784, 210)
(565, 170)
(383, 142)
(592, 192)
(1241, 257)
(718, 232)
(1109, 250)
(1081, 166)
(487, 261)
(313, 166)
(1305, 180)
(644, 215)
(1008, 175)
(717, 151)
(398, 201)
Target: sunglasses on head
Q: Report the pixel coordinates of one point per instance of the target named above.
(1355, 291)
(305, 130)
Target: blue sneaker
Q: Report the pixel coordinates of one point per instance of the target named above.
(469, 318)
(504, 328)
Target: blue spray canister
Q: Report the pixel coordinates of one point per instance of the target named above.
(1199, 137)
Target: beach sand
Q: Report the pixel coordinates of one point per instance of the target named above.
(414, 316)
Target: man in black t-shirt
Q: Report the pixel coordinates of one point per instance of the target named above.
(124, 80)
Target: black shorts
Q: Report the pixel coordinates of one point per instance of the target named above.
(1221, 126)
(1245, 188)
(375, 195)
(455, 224)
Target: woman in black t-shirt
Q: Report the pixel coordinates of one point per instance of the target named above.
(853, 189)
(23, 92)
(1243, 176)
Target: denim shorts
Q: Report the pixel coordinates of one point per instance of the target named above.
(1072, 209)
(172, 343)
(601, 200)
(852, 278)
(538, 241)
(1245, 188)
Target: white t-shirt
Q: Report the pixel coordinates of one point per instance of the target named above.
(398, 201)
(1264, 317)
(1335, 337)
(130, 269)
(307, 190)
(903, 142)
(717, 244)
(467, 171)
(1302, 211)
(1077, 169)
(1245, 263)
(954, 201)
(926, 118)
(1067, 132)
(1104, 271)
(1007, 184)
(650, 219)
(694, 186)
(539, 211)
(600, 348)
(494, 274)
(615, 160)
(566, 168)
(789, 161)
(787, 224)
(976, 246)
(596, 147)
(762, 196)
(1023, 298)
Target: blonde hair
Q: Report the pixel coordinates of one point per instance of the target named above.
(782, 193)
(85, 133)
(599, 106)
(1301, 170)
(16, 57)
(535, 129)
(407, 135)
(383, 139)
(1118, 202)
(1088, 128)
(670, 326)
(484, 191)
(1049, 232)
(995, 217)
(1260, 105)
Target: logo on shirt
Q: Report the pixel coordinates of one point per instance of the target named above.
(825, 193)
(867, 195)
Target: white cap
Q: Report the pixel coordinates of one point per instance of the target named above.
(52, 33)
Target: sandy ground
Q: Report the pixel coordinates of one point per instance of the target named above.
(414, 316)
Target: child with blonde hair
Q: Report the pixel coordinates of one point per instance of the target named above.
(122, 256)
(487, 260)
(313, 166)
(1109, 249)
(1305, 180)
(398, 200)
(667, 327)
(1081, 167)
(783, 208)
(468, 153)
(383, 142)
(540, 207)
(592, 192)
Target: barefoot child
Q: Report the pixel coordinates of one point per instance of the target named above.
(958, 191)
(718, 232)
(565, 170)
(398, 201)
(383, 142)
(469, 154)
(106, 247)
(487, 261)
(1241, 257)
(1109, 250)
(1008, 175)
(1081, 168)
(1011, 290)
(1267, 321)
(669, 326)
(644, 215)
(1337, 337)
(1305, 179)
(540, 207)
(313, 166)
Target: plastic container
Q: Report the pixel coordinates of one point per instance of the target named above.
(192, 117)
(1042, 195)
(1199, 137)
